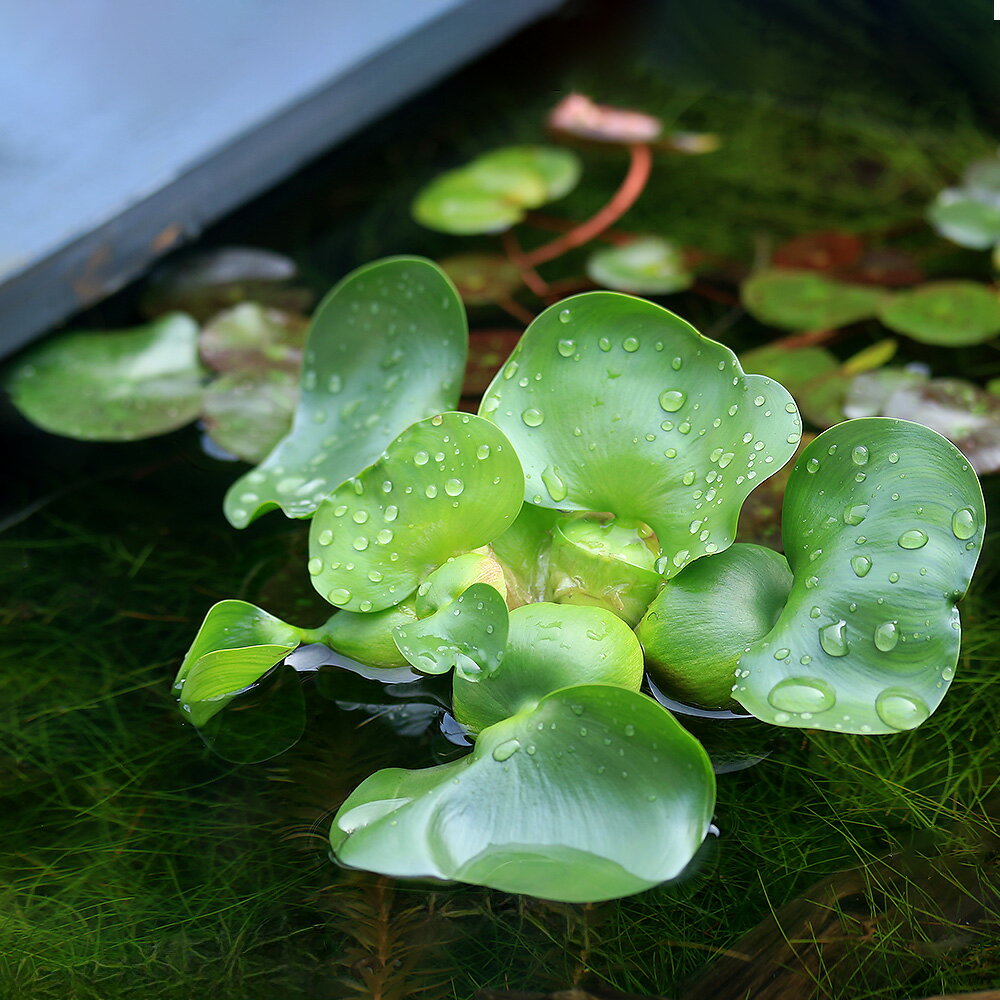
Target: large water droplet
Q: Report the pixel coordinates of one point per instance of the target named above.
(630, 344)
(802, 694)
(855, 513)
(886, 636)
(341, 595)
(913, 539)
(565, 315)
(812, 465)
(566, 348)
(325, 537)
(507, 749)
(861, 565)
(554, 483)
(454, 487)
(421, 458)
(963, 523)
(901, 709)
(430, 491)
(833, 638)
(859, 456)
(315, 566)
(533, 417)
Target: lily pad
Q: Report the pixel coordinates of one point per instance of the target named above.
(467, 636)
(647, 266)
(445, 486)
(493, 192)
(949, 313)
(117, 385)
(624, 810)
(577, 115)
(253, 337)
(247, 413)
(386, 347)
(617, 405)
(548, 647)
(965, 219)
(482, 278)
(883, 524)
(805, 300)
(236, 645)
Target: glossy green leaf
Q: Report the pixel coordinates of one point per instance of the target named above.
(549, 646)
(949, 313)
(252, 337)
(694, 632)
(805, 300)
(455, 577)
(468, 635)
(247, 413)
(445, 486)
(811, 374)
(119, 385)
(493, 191)
(523, 552)
(625, 809)
(368, 638)
(883, 523)
(235, 646)
(615, 404)
(647, 266)
(961, 217)
(386, 347)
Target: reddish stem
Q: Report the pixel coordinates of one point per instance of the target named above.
(796, 340)
(553, 224)
(623, 199)
(529, 275)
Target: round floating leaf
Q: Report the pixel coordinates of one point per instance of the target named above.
(252, 337)
(804, 300)
(236, 645)
(950, 313)
(577, 115)
(493, 191)
(615, 404)
(468, 635)
(625, 809)
(647, 266)
(112, 386)
(549, 646)
(811, 374)
(482, 278)
(386, 347)
(964, 219)
(247, 413)
(883, 524)
(445, 486)
(703, 619)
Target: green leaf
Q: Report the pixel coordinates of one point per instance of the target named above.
(368, 638)
(883, 523)
(386, 347)
(455, 577)
(811, 374)
(703, 619)
(252, 337)
(120, 385)
(805, 300)
(523, 552)
(625, 809)
(235, 646)
(964, 219)
(615, 404)
(467, 635)
(949, 313)
(247, 413)
(445, 486)
(647, 266)
(549, 646)
(492, 192)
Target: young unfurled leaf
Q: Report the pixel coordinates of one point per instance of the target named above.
(236, 645)
(523, 552)
(467, 635)
(251, 337)
(118, 385)
(386, 347)
(615, 404)
(577, 115)
(950, 313)
(247, 413)
(493, 191)
(446, 485)
(549, 646)
(647, 266)
(594, 793)
(703, 619)
(883, 523)
(805, 300)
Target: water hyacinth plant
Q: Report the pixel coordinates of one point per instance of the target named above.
(573, 537)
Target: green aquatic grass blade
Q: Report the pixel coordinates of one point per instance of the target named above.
(549, 646)
(946, 313)
(625, 809)
(647, 266)
(386, 347)
(805, 300)
(235, 646)
(961, 217)
(118, 385)
(615, 404)
(705, 617)
(883, 523)
(445, 486)
(468, 635)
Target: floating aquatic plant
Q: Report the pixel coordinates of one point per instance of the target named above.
(597, 491)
